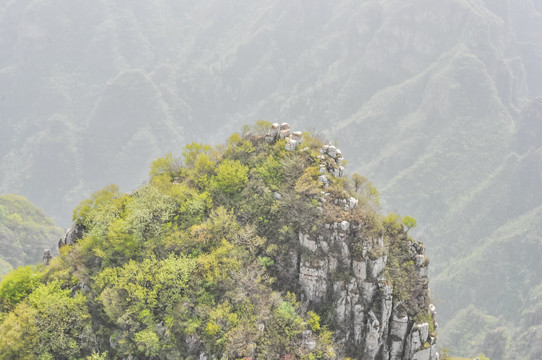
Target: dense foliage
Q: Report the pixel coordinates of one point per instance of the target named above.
(187, 263)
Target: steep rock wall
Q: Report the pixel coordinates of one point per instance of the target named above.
(370, 322)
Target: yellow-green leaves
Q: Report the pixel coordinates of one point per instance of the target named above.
(308, 183)
(16, 286)
(231, 177)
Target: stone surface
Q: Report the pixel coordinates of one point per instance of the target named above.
(46, 257)
(424, 354)
(323, 179)
(339, 266)
(313, 280)
(376, 266)
(73, 234)
(306, 242)
(345, 225)
(360, 270)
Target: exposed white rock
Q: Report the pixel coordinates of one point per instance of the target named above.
(313, 279)
(332, 263)
(413, 342)
(422, 355)
(359, 318)
(351, 203)
(340, 305)
(306, 242)
(308, 340)
(368, 291)
(324, 246)
(323, 179)
(360, 270)
(377, 266)
(433, 352)
(372, 338)
(345, 225)
(275, 129)
(399, 327)
(424, 332)
(386, 307)
(419, 259)
(284, 130)
(396, 350)
(277, 196)
(332, 151)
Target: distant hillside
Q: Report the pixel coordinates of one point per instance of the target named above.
(25, 232)
(439, 102)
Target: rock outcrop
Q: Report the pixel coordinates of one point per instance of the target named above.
(371, 323)
(344, 268)
(73, 234)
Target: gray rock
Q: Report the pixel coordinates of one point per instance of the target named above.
(345, 225)
(399, 327)
(323, 169)
(313, 280)
(396, 350)
(372, 338)
(413, 342)
(377, 266)
(46, 257)
(386, 307)
(419, 259)
(368, 291)
(324, 246)
(323, 179)
(277, 196)
(275, 129)
(284, 130)
(351, 203)
(306, 242)
(308, 340)
(360, 270)
(424, 332)
(76, 232)
(424, 354)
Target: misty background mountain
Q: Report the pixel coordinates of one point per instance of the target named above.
(441, 103)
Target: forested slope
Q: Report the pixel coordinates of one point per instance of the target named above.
(25, 232)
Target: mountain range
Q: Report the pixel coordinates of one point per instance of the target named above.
(437, 103)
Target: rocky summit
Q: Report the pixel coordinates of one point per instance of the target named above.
(261, 248)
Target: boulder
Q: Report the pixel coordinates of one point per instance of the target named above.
(46, 257)
(345, 225)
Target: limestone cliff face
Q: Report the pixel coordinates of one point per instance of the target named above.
(372, 284)
(370, 321)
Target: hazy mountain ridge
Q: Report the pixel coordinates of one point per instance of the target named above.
(25, 232)
(429, 96)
